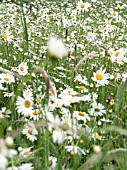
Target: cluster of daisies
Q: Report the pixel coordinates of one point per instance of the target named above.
(58, 80)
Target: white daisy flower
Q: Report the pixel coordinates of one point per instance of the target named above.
(96, 136)
(53, 162)
(101, 77)
(81, 116)
(7, 78)
(23, 69)
(81, 6)
(7, 36)
(26, 152)
(24, 106)
(27, 93)
(97, 109)
(30, 132)
(35, 114)
(4, 113)
(90, 36)
(74, 149)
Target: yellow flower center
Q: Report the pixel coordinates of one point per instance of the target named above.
(115, 75)
(114, 14)
(4, 113)
(82, 87)
(27, 104)
(6, 79)
(117, 53)
(22, 68)
(99, 77)
(4, 36)
(81, 113)
(97, 136)
(97, 110)
(38, 100)
(118, 6)
(57, 105)
(26, 153)
(30, 132)
(111, 53)
(82, 5)
(35, 112)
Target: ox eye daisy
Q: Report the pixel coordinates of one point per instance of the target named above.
(97, 109)
(24, 106)
(30, 132)
(81, 6)
(7, 78)
(23, 69)
(7, 36)
(100, 77)
(35, 114)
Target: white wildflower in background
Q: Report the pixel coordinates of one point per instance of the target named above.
(81, 116)
(74, 149)
(30, 131)
(56, 48)
(7, 36)
(27, 93)
(81, 6)
(25, 152)
(90, 36)
(54, 124)
(23, 69)
(4, 113)
(97, 109)
(35, 114)
(52, 162)
(7, 78)
(24, 106)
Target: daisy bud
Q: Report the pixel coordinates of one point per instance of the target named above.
(9, 141)
(20, 149)
(9, 129)
(96, 148)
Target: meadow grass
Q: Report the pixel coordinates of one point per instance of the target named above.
(63, 85)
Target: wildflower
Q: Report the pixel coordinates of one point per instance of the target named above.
(35, 114)
(27, 93)
(25, 152)
(56, 48)
(90, 36)
(52, 162)
(7, 78)
(7, 36)
(23, 69)
(4, 113)
(96, 136)
(74, 149)
(97, 109)
(101, 77)
(81, 6)
(30, 132)
(81, 116)
(24, 106)
(58, 134)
